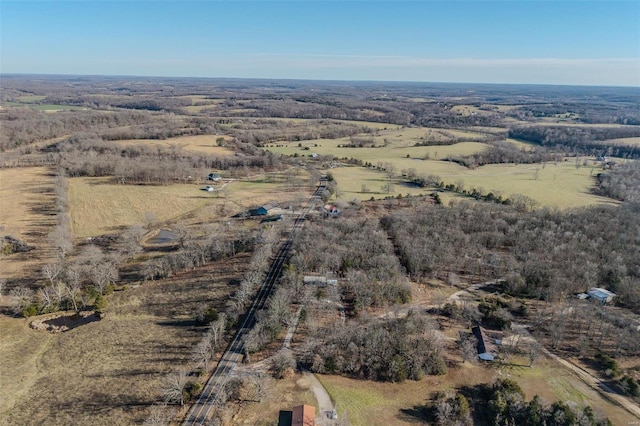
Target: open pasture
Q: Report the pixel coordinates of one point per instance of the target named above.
(625, 141)
(99, 205)
(560, 185)
(399, 145)
(27, 208)
(202, 144)
(109, 371)
(392, 403)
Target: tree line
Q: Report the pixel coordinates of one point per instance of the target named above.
(582, 140)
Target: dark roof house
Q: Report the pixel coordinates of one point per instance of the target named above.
(487, 348)
(260, 211)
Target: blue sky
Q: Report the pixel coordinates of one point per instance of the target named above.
(558, 42)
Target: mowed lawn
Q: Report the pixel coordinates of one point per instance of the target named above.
(374, 403)
(202, 144)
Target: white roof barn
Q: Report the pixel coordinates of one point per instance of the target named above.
(601, 295)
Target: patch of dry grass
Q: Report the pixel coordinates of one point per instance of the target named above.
(110, 371)
(99, 206)
(27, 208)
(202, 144)
(283, 395)
(625, 141)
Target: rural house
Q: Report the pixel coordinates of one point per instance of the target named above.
(260, 211)
(263, 210)
(487, 347)
(304, 415)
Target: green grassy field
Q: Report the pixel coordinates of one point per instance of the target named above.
(398, 148)
(31, 98)
(559, 186)
(44, 107)
(374, 403)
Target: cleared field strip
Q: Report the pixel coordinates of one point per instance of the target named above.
(203, 144)
(624, 141)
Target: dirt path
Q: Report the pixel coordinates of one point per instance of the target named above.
(325, 406)
(596, 384)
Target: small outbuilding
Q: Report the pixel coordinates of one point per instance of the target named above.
(601, 295)
(304, 415)
(331, 210)
(260, 211)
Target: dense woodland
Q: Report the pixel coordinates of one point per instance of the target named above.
(544, 254)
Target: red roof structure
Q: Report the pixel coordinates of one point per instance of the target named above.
(304, 415)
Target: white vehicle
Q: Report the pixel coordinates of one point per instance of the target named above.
(208, 188)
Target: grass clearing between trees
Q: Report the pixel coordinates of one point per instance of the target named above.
(557, 186)
(99, 206)
(201, 144)
(376, 403)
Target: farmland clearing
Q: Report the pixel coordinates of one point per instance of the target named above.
(99, 206)
(560, 185)
(202, 144)
(26, 212)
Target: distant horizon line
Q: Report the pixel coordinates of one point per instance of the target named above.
(26, 74)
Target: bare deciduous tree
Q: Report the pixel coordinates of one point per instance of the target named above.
(469, 351)
(51, 271)
(534, 352)
(21, 297)
(203, 351)
(173, 387)
(160, 415)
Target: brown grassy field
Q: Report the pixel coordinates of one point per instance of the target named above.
(26, 212)
(109, 371)
(625, 141)
(99, 206)
(203, 144)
